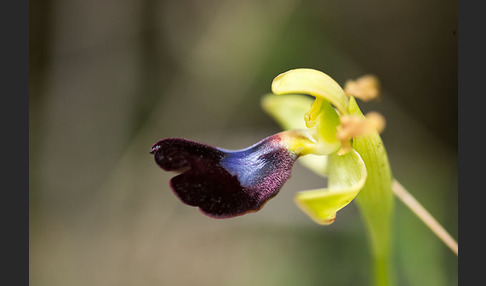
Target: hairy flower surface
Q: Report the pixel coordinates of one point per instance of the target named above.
(225, 183)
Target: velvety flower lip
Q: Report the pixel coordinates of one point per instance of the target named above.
(225, 183)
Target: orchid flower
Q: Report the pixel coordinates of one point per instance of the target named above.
(224, 183)
(358, 169)
(325, 130)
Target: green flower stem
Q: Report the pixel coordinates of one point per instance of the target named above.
(375, 200)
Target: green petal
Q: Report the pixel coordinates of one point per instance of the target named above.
(288, 110)
(327, 122)
(312, 82)
(347, 175)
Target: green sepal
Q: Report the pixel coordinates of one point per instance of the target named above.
(347, 175)
(288, 110)
(375, 200)
(312, 82)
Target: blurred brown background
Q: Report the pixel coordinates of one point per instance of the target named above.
(108, 79)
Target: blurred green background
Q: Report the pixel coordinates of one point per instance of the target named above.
(110, 78)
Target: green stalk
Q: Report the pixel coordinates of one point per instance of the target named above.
(375, 201)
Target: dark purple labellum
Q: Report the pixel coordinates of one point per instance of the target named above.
(224, 183)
